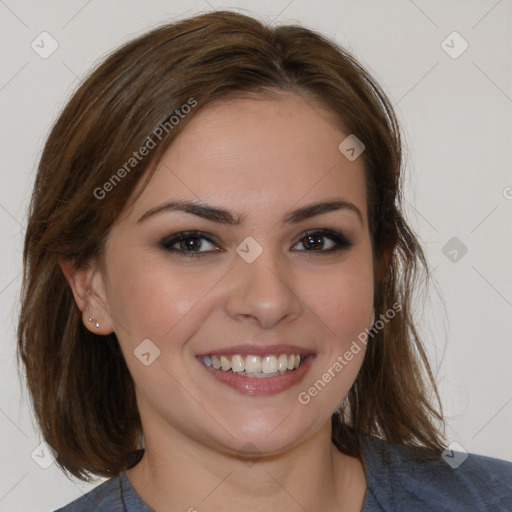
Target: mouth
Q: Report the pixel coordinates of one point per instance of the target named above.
(253, 366)
(264, 372)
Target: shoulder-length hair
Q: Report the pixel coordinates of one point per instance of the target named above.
(79, 384)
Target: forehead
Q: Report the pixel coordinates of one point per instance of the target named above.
(258, 153)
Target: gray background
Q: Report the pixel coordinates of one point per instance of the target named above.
(456, 120)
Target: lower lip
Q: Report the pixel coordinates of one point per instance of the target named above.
(263, 385)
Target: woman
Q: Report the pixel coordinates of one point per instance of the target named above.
(217, 216)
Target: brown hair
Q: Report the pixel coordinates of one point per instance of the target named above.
(81, 389)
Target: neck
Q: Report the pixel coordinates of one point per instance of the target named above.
(180, 474)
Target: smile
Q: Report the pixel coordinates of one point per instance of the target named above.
(255, 366)
(264, 374)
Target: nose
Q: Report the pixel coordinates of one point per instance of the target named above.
(262, 292)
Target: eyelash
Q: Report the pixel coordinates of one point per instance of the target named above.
(341, 241)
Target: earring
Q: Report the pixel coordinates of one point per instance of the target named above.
(97, 325)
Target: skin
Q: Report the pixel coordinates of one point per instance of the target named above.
(261, 158)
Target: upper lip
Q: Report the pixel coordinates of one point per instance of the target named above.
(257, 350)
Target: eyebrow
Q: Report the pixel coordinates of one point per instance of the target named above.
(222, 216)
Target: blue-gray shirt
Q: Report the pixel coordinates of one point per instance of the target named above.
(397, 482)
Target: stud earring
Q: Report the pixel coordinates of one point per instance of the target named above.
(97, 325)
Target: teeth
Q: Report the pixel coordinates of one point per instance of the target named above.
(269, 364)
(237, 364)
(252, 364)
(282, 362)
(225, 363)
(255, 366)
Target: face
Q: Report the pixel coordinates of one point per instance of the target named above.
(260, 261)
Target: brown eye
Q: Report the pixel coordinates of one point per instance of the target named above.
(189, 243)
(323, 241)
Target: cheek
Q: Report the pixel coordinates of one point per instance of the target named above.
(342, 301)
(342, 297)
(152, 297)
(164, 305)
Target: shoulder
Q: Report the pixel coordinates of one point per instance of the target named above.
(114, 495)
(403, 478)
(106, 496)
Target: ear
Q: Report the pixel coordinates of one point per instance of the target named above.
(87, 285)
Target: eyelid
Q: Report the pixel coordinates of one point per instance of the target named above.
(168, 241)
(341, 241)
(325, 232)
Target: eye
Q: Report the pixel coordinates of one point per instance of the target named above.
(189, 244)
(323, 241)
(196, 244)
